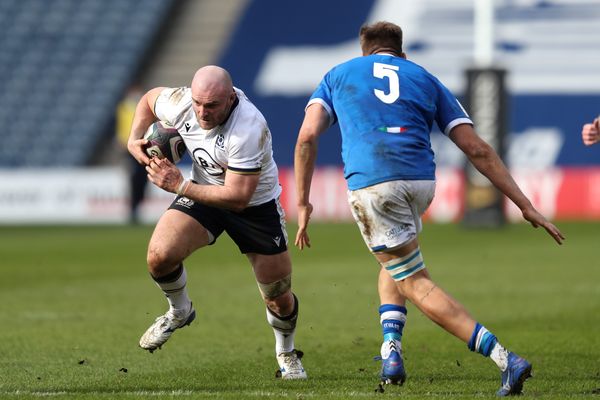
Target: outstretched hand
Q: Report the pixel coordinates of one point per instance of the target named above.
(302, 238)
(536, 220)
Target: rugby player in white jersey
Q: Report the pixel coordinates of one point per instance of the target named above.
(234, 188)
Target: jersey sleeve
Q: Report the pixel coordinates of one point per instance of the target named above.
(247, 147)
(450, 112)
(171, 103)
(322, 96)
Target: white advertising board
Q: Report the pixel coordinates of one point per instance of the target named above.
(87, 195)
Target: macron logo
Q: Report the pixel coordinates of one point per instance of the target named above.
(277, 240)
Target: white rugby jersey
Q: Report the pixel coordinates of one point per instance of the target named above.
(242, 144)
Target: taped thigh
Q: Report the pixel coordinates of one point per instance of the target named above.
(402, 267)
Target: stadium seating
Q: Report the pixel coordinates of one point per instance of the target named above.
(64, 65)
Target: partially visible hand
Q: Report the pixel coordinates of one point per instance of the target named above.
(302, 238)
(164, 174)
(536, 219)
(590, 134)
(136, 149)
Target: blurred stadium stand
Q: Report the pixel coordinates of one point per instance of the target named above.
(197, 34)
(63, 66)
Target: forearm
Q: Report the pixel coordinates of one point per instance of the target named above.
(214, 195)
(316, 121)
(304, 163)
(144, 114)
(492, 167)
(234, 194)
(487, 161)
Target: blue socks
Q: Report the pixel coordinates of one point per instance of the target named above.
(392, 318)
(482, 341)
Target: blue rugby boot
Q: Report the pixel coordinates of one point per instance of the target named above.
(517, 371)
(392, 365)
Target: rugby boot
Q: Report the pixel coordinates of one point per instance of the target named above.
(517, 371)
(163, 327)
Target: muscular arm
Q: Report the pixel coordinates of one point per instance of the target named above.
(142, 119)
(235, 194)
(316, 121)
(487, 161)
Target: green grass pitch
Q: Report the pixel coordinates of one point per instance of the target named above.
(75, 300)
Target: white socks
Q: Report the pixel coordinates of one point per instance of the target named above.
(174, 288)
(284, 329)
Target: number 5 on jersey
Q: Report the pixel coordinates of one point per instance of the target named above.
(387, 71)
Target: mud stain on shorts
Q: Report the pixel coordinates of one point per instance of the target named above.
(388, 207)
(365, 221)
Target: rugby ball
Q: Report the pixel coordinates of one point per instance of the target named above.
(164, 141)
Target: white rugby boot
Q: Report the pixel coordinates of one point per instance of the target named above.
(290, 366)
(163, 327)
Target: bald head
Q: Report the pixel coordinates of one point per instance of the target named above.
(212, 96)
(212, 77)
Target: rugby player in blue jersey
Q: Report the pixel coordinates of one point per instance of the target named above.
(386, 106)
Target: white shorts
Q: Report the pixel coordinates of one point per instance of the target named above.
(389, 213)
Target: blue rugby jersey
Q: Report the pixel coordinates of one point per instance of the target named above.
(386, 106)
